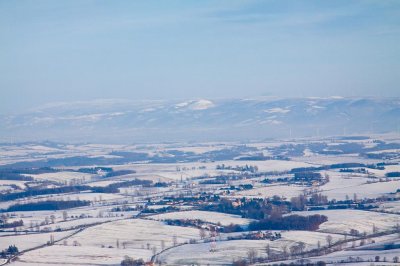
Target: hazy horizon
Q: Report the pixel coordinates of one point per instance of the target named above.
(57, 51)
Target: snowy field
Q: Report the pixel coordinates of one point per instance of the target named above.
(341, 185)
(102, 183)
(320, 159)
(284, 191)
(372, 190)
(210, 217)
(26, 241)
(5, 185)
(88, 215)
(93, 197)
(190, 170)
(136, 232)
(342, 221)
(63, 177)
(98, 244)
(388, 168)
(392, 207)
(367, 255)
(227, 251)
(78, 255)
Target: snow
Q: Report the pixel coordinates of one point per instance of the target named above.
(392, 207)
(202, 105)
(372, 190)
(342, 221)
(136, 232)
(6, 184)
(284, 191)
(277, 110)
(103, 183)
(78, 255)
(26, 241)
(227, 251)
(210, 217)
(63, 176)
(72, 196)
(196, 105)
(366, 255)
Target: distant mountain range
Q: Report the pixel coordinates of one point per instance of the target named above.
(202, 120)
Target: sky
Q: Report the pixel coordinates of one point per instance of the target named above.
(56, 51)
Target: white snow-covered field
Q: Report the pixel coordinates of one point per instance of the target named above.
(392, 207)
(103, 183)
(368, 257)
(75, 223)
(26, 241)
(190, 170)
(136, 232)
(211, 217)
(94, 197)
(63, 177)
(372, 190)
(227, 251)
(342, 221)
(285, 191)
(78, 255)
(320, 159)
(388, 168)
(6, 185)
(341, 185)
(90, 214)
(98, 244)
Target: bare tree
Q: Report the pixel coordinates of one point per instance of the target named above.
(355, 197)
(293, 250)
(52, 218)
(252, 255)
(301, 246)
(397, 228)
(154, 250)
(285, 251)
(374, 229)
(202, 233)
(329, 240)
(268, 250)
(65, 215)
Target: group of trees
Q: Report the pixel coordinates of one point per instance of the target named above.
(251, 208)
(112, 188)
(10, 251)
(246, 168)
(307, 176)
(291, 222)
(393, 174)
(300, 202)
(48, 205)
(128, 261)
(20, 174)
(4, 224)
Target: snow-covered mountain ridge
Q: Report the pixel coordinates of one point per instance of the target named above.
(202, 119)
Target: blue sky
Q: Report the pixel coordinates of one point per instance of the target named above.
(84, 49)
